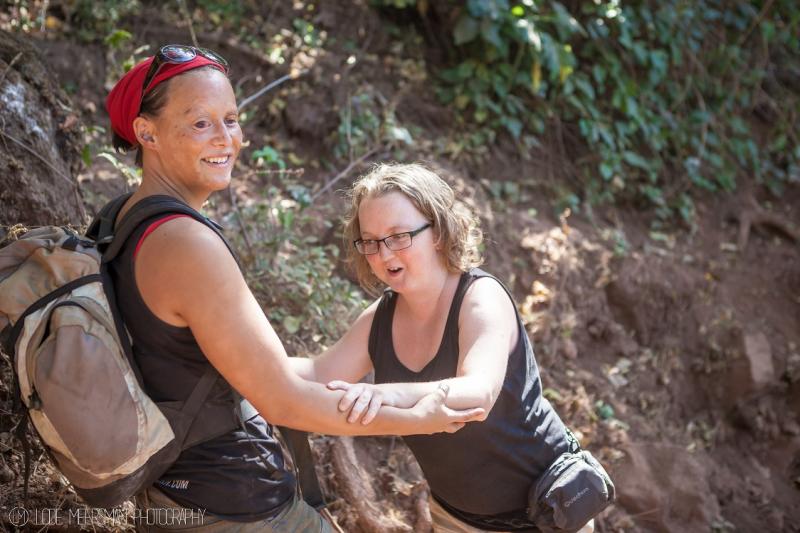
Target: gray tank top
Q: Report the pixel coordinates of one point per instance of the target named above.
(483, 472)
(224, 475)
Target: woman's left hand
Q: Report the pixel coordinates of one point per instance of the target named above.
(360, 399)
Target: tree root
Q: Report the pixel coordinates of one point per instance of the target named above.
(355, 488)
(424, 522)
(755, 215)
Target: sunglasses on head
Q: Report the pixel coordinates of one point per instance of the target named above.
(176, 54)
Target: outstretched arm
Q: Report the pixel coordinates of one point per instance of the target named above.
(488, 332)
(188, 278)
(348, 359)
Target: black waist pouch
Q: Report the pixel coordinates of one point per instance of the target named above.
(573, 490)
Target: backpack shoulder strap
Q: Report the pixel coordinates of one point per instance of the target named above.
(102, 227)
(143, 210)
(299, 448)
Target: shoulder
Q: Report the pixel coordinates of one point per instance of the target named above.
(486, 301)
(178, 263)
(183, 238)
(364, 320)
(485, 288)
(488, 313)
(184, 253)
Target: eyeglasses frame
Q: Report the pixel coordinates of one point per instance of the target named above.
(411, 235)
(161, 59)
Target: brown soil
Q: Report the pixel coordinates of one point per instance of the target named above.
(39, 140)
(675, 355)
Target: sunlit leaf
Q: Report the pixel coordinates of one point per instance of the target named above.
(536, 76)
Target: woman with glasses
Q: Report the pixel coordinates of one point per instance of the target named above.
(186, 306)
(442, 322)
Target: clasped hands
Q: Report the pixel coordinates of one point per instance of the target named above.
(362, 402)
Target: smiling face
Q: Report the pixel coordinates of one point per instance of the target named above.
(412, 268)
(196, 137)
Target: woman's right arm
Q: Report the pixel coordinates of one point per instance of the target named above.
(188, 278)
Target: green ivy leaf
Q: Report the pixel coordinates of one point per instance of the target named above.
(86, 155)
(551, 55)
(584, 86)
(491, 34)
(467, 28)
(634, 159)
(117, 37)
(291, 324)
(606, 170)
(513, 126)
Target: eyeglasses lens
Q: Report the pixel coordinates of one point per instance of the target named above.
(399, 242)
(178, 54)
(213, 56)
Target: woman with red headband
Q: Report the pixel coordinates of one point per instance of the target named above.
(187, 306)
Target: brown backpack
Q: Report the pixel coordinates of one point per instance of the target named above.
(73, 365)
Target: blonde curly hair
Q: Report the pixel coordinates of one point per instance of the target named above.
(457, 229)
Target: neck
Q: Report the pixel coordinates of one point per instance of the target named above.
(428, 301)
(155, 182)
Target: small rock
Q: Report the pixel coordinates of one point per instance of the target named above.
(759, 356)
(775, 520)
(568, 349)
(6, 474)
(790, 427)
(681, 499)
(792, 374)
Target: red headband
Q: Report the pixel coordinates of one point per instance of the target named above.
(125, 99)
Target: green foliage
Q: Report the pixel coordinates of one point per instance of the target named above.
(308, 33)
(268, 156)
(399, 4)
(670, 97)
(90, 21)
(133, 175)
(365, 124)
(117, 37)
(603, 410)
(98, 20)
(226, 14)
(291, 268)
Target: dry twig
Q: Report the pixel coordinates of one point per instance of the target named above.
(343, 173)
(8, 67)
(188, 17)
(240, 219)
(756, 22)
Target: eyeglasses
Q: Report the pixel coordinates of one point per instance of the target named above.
(176, 54)
(398, 241)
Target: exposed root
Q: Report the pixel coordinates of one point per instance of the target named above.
(424, 522)
(356, 489)
(755, 215)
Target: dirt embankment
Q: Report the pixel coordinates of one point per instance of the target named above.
(675, 355)
(39, 140)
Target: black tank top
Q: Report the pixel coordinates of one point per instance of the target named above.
(483, 472)
(223, 475)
